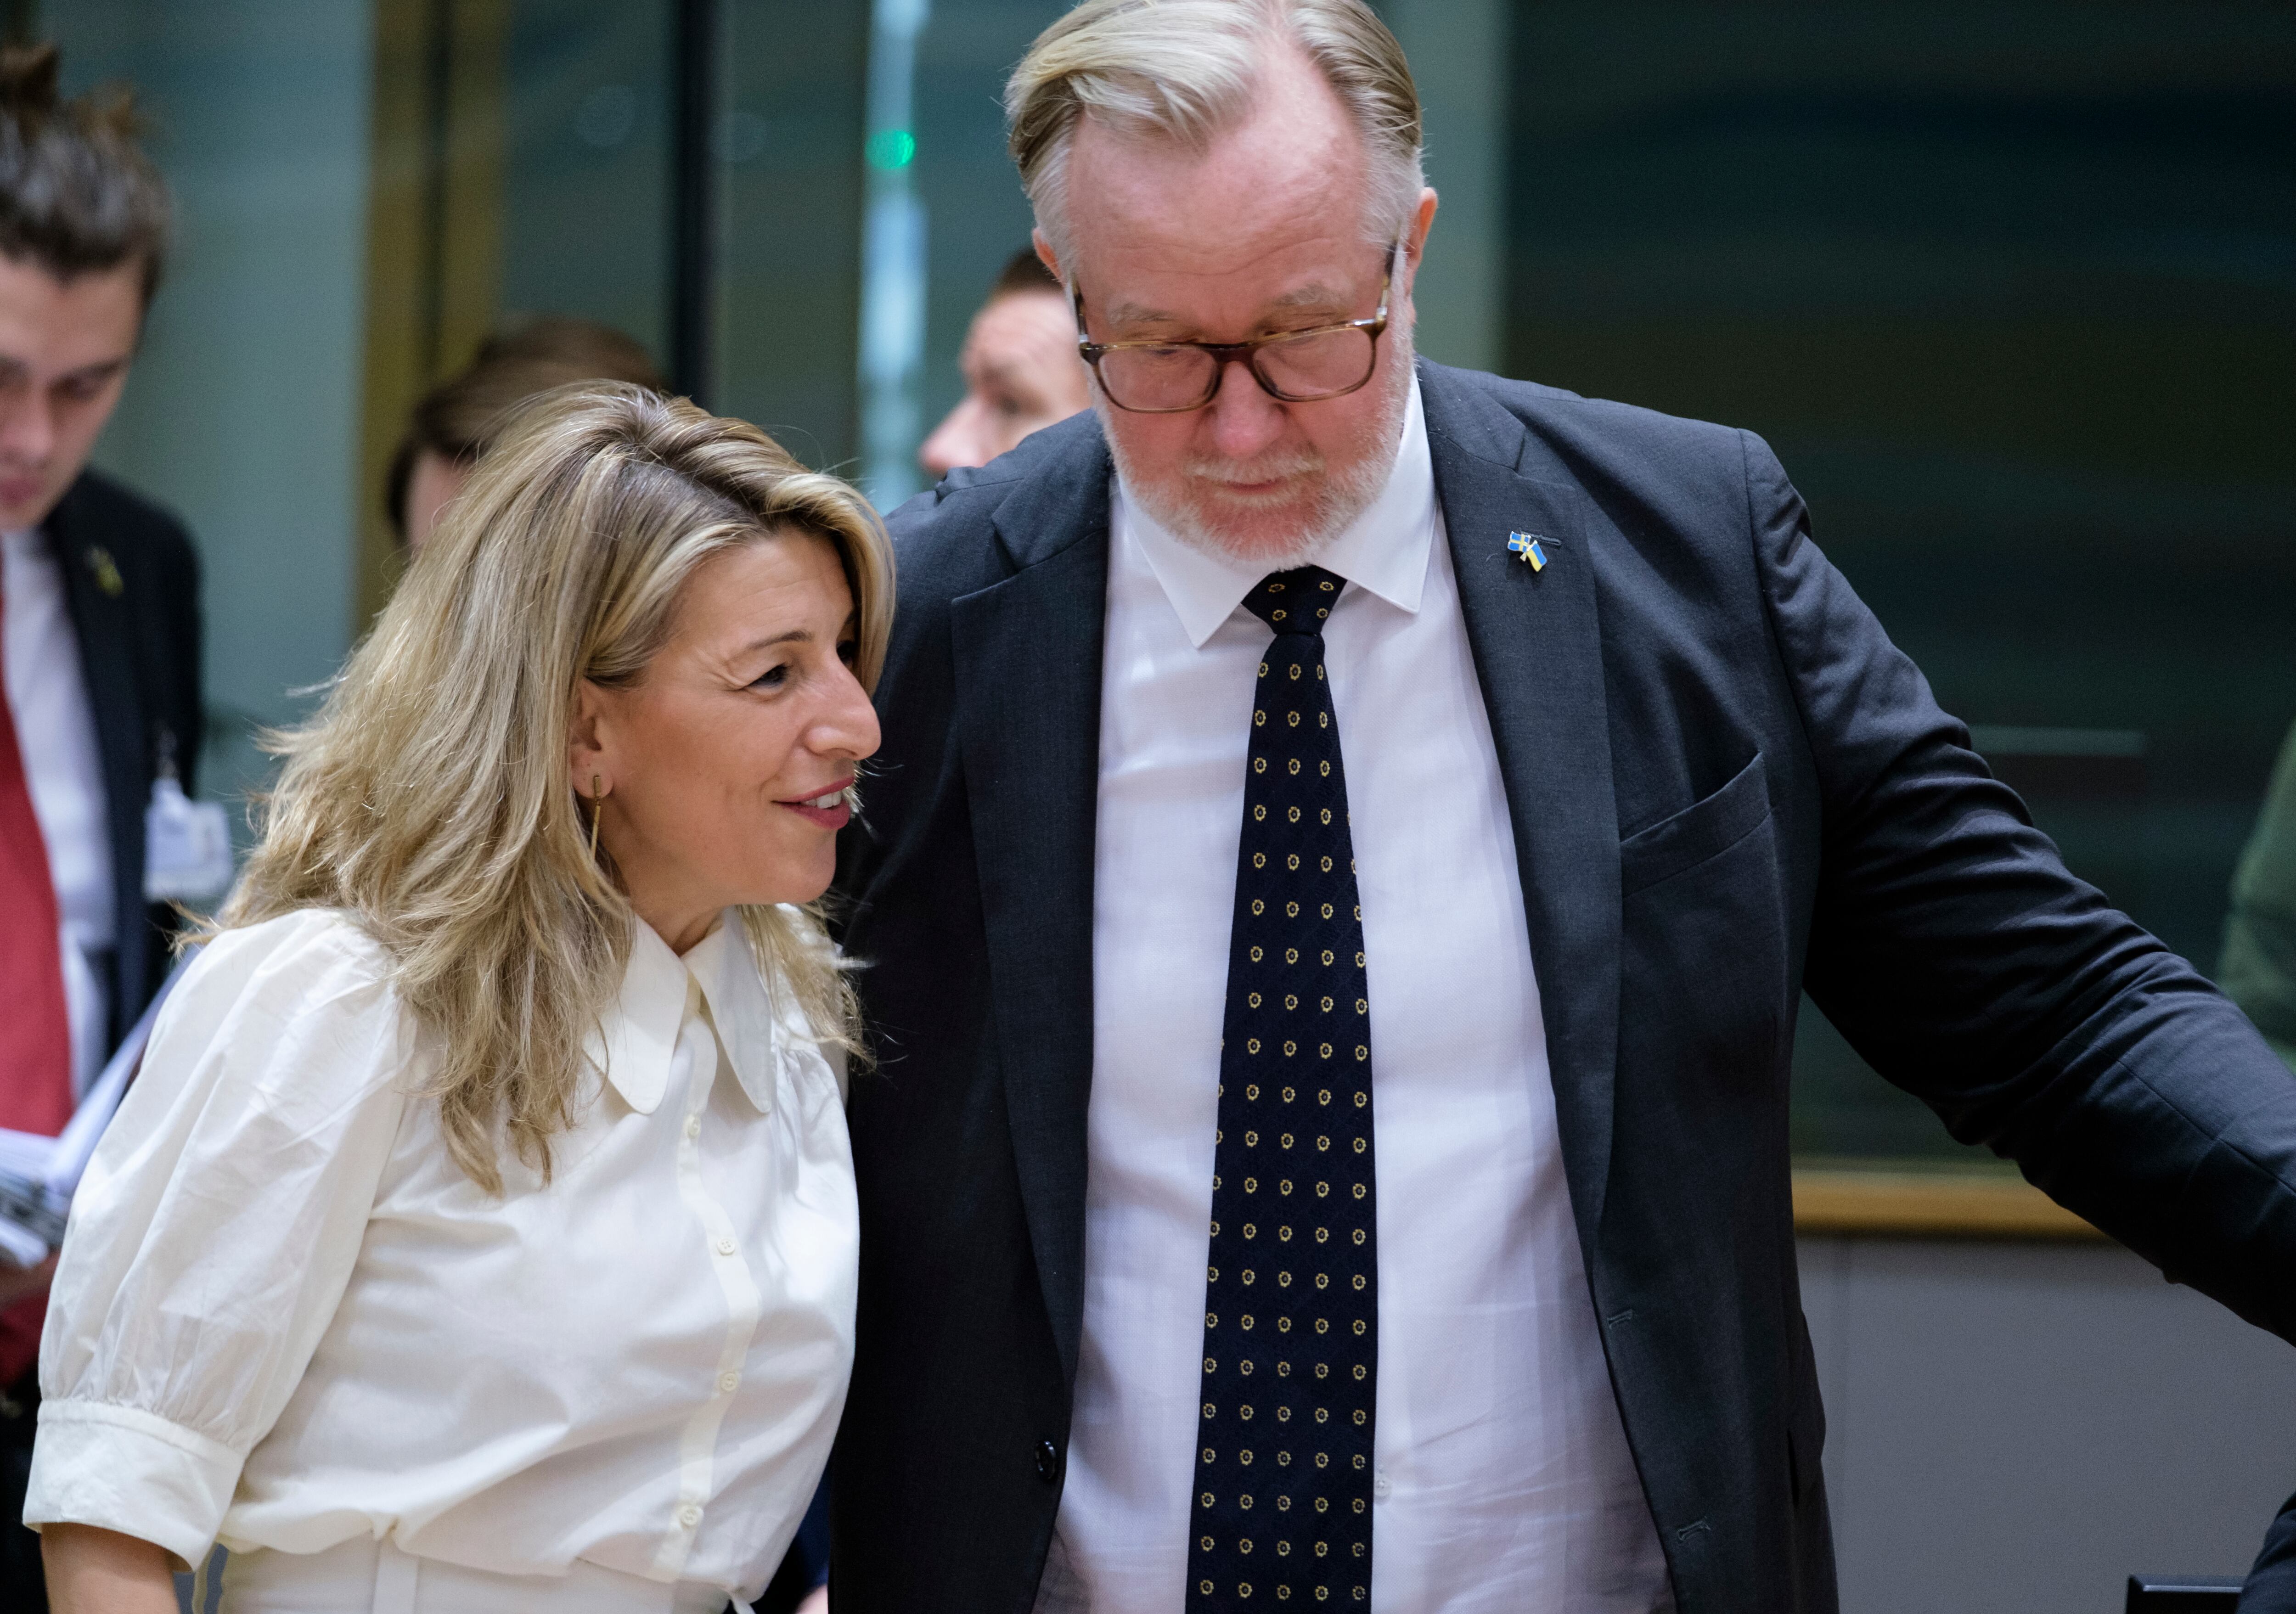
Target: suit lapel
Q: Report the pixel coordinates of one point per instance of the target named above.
(1028, 657)
(102, 619)
(1537, 643)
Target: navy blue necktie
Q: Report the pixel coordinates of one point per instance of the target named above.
(1282, 1511)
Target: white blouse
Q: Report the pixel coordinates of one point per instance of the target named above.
(285, 1319)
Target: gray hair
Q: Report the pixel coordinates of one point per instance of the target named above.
(1184, 70)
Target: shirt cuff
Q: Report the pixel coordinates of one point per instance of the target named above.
(120, 1468)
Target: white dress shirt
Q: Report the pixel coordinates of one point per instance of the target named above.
(56, 730)
(287, 1320)
(1503, 1479)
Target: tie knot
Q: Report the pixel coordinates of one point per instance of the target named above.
(1295, 601)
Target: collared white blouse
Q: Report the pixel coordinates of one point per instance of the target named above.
(285, 1319)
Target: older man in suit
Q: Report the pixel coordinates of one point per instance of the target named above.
(1351, 840)
(99, 639)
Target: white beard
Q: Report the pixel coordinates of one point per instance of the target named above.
(1346, 493)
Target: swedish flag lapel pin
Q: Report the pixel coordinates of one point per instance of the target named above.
(1529, 545)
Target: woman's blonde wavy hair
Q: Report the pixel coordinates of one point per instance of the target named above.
(428, 797)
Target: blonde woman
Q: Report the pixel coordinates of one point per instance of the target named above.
(481, 1232)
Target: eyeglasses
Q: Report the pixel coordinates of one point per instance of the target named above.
(1294, 366)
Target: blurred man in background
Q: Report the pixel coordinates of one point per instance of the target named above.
(100, 633)
(458, 419)
(2258, 971)
(1021, 372)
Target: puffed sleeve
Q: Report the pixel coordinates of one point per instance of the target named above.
(215, 1228)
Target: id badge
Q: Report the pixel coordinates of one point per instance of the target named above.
(187, 846)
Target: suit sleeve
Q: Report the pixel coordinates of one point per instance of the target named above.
(1953, 949)
(2271, 1585)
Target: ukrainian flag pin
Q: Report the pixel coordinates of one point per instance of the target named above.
(1527, 545)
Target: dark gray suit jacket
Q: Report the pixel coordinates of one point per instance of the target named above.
(132, 589)
(1727, 785)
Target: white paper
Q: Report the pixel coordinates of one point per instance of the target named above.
(21, 1246)
(187, 846)
(49, 1169)
(26, 1154)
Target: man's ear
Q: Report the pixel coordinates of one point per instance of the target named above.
(1414, 238)
(587, 758)
(1046, 256)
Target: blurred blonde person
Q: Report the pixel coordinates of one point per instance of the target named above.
(459, 418)
(481, 1233)
(1021, 371)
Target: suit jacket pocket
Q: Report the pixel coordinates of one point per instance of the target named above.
(1699, 831)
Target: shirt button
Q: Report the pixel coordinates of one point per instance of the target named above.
(689, 1515)
(729, 1382)
(1381, 1487)
(724, 1246)
(694, 1125)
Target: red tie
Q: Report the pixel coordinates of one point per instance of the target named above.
(35, 1074)
(35, 1079)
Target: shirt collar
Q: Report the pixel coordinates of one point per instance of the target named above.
(724, 965)
(1383, 550)
(639, 1033)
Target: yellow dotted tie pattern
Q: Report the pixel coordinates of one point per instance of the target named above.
(1282, 1511)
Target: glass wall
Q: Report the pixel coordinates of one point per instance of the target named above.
(589, 98)
(787, 273)
(977, 217)
(243, 411)
(2012, 289)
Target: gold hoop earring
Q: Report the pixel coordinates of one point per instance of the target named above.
(597, 811)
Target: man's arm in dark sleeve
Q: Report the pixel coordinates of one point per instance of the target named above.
(2271, 1587)
(1952, 948)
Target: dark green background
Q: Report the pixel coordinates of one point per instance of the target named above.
(2012, 290)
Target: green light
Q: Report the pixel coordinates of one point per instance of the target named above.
(892, 149)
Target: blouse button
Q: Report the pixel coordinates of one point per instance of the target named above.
(694, 1125)
(689, 1515)
(729, 1382)
(724, 1246)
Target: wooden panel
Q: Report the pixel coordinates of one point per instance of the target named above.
(1930, 1205)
